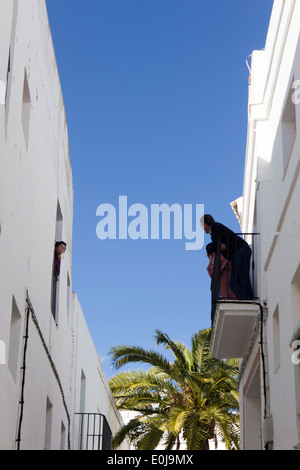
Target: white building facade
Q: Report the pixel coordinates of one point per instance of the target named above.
(49, 368)
(266, 330)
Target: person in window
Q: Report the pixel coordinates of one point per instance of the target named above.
(225, 291)
(236, 250)
(60, 248)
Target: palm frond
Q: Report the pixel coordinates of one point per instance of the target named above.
(178, 349)
(150, 439)
(194, 397)
(130, 431)
(122, 355)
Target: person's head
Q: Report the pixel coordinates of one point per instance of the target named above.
(210, 249)
(60, 247)
(206, 222)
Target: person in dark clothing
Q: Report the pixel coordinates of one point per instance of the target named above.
(236, 250)
(225, 272)
(60, 248)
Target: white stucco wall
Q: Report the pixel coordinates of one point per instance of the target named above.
(98, 398)
(36, 176)
(271, 207)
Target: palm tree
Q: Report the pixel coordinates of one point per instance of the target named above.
(192, 399)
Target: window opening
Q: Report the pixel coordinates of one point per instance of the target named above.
(48, 428)
(14, 340)
(276, 339)
(288, 128)
(26, 108)
(59, 249)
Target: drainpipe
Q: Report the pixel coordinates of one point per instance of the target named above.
(30, 314)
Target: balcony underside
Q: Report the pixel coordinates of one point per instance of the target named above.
(232, 329)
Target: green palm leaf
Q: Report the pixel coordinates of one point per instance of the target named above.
(191, 400)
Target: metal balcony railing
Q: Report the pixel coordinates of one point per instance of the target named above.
(222, 275)
(94, 432)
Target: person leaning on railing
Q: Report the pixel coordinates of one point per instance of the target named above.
(225, 272)
(236, 250)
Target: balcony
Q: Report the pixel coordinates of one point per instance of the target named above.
(94, 432)
(232, 329)
(233, 319)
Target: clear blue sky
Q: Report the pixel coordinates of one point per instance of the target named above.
(155, 93)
